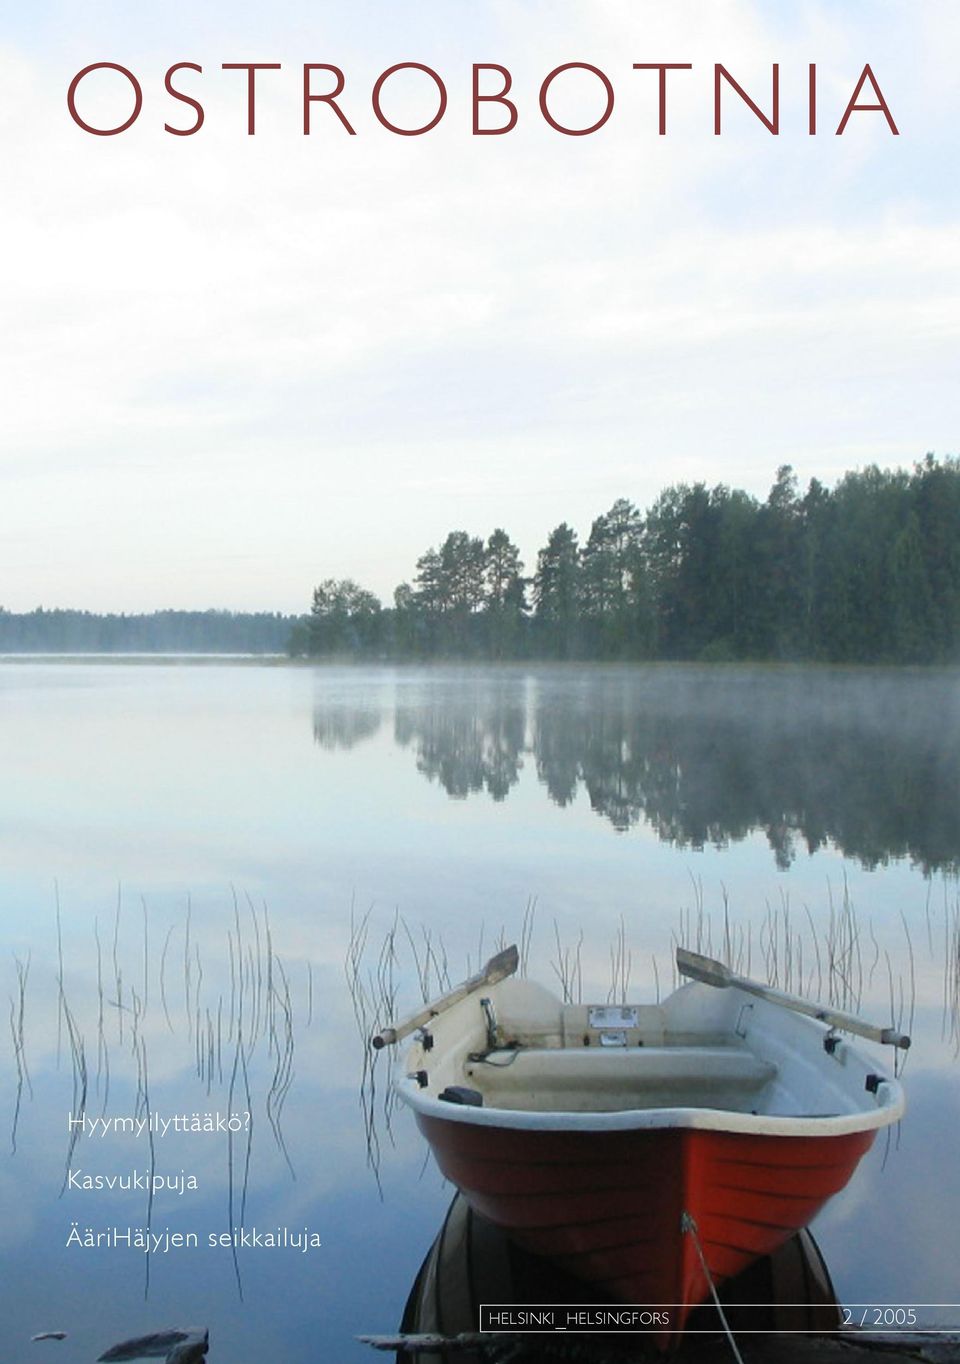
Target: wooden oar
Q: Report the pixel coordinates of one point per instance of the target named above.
(497, 968)
(712, 972)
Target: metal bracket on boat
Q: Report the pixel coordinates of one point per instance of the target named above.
(499, 1057)
(488, 1012)
(831, 1042)
(461, 1094)
(421, 1077)
(425, 1038)
(613, 1017)
(873, 1083)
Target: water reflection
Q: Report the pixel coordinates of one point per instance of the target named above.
(866, 761)
(467, 748)
(343, 727)
(205, 778)
(155, 1173)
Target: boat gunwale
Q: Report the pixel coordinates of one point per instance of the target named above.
(889, 1109)
(888, 1106)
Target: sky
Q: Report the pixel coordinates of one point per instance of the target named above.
(233, 366)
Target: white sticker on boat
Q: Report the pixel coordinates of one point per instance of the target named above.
(613, 1039)
(612, 1016)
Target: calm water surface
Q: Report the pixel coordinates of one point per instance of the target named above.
(204, 835)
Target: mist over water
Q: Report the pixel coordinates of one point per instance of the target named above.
(215, 835)
(866, 761)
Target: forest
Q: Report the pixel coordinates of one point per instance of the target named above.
(865, 572)
(64, 631)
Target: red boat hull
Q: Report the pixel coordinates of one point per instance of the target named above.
(607, 1205)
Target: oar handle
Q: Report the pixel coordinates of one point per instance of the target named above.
(715, 973)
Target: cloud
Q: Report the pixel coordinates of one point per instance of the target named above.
(301, 345)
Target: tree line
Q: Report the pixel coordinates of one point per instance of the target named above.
(866, 572)
(66, 631)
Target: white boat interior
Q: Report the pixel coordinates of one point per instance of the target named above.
(700, 1058)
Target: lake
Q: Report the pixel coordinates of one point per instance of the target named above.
(190, 854)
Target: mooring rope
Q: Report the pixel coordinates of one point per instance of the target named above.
(688, 1225)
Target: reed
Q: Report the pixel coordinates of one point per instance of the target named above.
(56, 896)
(187, 993)
(621, 962)
(951, 973)
(373, 997)
(143, 1108)
(117, 973)
(78, 1061)
(237, 1024)
(238, 1059)
(567, 966)
(527, 925)
(146, 955)
(17, 1014)
(283, 1070)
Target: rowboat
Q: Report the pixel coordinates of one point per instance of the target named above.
(651, 1151)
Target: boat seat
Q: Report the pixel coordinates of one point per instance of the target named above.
(621, 1077)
